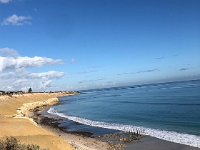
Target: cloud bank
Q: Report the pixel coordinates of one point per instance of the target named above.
(18, 63)
(15, 20)
(47, 75)
(14, 74)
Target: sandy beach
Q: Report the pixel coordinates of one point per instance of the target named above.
(14, 123)
(17, 111)
(15, 120)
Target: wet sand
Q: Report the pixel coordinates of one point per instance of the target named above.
(80, 140)
(19, 117)
(100, 139)
(151, 143)
(16, 120)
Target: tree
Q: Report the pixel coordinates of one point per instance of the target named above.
(30, 90)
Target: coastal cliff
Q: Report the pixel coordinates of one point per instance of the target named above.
(14, 120)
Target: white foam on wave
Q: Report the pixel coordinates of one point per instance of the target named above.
(187, 139)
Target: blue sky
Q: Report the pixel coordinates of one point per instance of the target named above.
(103, 42)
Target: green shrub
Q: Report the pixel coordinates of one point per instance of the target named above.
(11, 143)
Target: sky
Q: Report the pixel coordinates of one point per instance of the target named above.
(76, 44)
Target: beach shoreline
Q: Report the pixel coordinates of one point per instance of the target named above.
(15, 121)
(79, 140)
(23, 115)
(113, 140)
(26, 116)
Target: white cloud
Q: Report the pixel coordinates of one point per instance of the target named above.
(45, 84)
(15, 76)
(24, 80)
(17, 20)
(5, 1)
(18, 63)
(27, 75)
(47, 75)
(8, 52)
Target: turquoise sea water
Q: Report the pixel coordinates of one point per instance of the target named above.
(169, 111)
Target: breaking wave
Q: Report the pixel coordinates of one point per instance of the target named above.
(187, 139)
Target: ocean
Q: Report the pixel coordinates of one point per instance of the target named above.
(169, 111)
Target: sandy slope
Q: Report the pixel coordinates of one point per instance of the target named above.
(23, 128)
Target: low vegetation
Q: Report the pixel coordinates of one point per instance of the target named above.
(30, 90)
(10, 93)
(11, 143)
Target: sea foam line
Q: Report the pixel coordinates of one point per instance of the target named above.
(187, 139)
